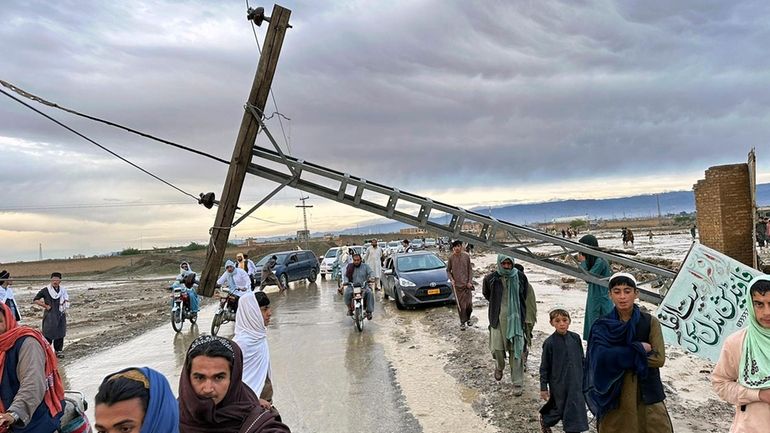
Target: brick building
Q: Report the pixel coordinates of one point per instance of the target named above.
(723, 203)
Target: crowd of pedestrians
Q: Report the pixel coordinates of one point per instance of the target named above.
(226, 385)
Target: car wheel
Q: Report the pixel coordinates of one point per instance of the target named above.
(399, 305)
(312, 277)
(284, 281)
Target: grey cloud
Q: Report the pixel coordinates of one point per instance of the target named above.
(419, 95)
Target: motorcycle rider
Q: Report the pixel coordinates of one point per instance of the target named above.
(186, 281)
(358, 274)
(237, 280)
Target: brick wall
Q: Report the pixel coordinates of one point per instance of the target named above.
(723, 206)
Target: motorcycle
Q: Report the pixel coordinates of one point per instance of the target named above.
(226, 311)
(180, 308)
(74, 418)
(357, 305)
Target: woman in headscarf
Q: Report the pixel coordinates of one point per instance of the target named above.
(251, 335)
(136, 400)
(6, 294)
(625, 353)
(212, 395)
(742, 375)
(598, 302)
(31, 391)
(506, 291)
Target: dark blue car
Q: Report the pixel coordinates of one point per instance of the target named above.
(418, 278)
(291, 266)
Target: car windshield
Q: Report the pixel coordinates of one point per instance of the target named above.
(264, 260)
(419, 262)
(332, 253)
(417, 241)
(430, 241)
(394, 244)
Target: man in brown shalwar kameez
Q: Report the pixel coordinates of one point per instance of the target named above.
(460, 272)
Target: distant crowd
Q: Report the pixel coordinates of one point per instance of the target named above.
(226, 384)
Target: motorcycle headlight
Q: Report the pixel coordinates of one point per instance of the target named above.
(405, 283)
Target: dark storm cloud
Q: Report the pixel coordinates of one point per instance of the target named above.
(412, 94)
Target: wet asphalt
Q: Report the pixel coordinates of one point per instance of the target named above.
(328, 377)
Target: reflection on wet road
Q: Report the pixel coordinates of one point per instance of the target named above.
(328, 377)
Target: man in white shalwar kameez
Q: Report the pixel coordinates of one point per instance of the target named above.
(251, 322)
(373, 258)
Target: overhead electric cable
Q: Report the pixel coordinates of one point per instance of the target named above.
(43, 101)
(40, 100)
(83, 136)
(272, 93)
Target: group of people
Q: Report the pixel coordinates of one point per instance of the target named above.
(569, 232)
(628, 237)
(617, 378)
(225, 385)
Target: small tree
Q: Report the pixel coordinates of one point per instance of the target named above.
(577, 224)
(130, 252)
(194, 246)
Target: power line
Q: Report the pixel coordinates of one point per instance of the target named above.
(272, 93)
(83, 136)
(40, 100)
(107, 122)
(89, 206)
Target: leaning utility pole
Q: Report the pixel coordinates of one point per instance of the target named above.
(260, 90)
(304, 216)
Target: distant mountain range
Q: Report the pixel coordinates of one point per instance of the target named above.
(638, 206)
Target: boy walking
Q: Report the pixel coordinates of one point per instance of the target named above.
(561, 378)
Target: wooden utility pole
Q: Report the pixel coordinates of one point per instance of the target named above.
(260, 90)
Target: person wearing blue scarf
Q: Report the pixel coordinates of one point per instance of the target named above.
(506, 291)
(622, 378)
(137, 400)
(598, 302)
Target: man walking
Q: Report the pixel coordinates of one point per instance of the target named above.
(507, 312)
(268, 276)
(460, 272)
(55, 301)
(373, 258)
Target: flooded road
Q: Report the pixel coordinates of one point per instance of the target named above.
(327, 376)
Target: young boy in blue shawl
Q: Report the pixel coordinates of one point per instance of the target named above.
(625, 353)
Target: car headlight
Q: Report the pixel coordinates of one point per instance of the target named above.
(405, 283)
(449, 282)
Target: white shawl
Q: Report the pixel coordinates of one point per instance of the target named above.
(251, 336)
(64, 304)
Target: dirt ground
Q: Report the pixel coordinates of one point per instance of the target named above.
(105, 315)
(468, 360)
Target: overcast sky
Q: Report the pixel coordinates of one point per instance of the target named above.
(515, 101)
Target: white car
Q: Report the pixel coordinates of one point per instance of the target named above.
(328, 261)
(393, 247)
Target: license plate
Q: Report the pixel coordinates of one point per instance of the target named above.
(434, 291)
